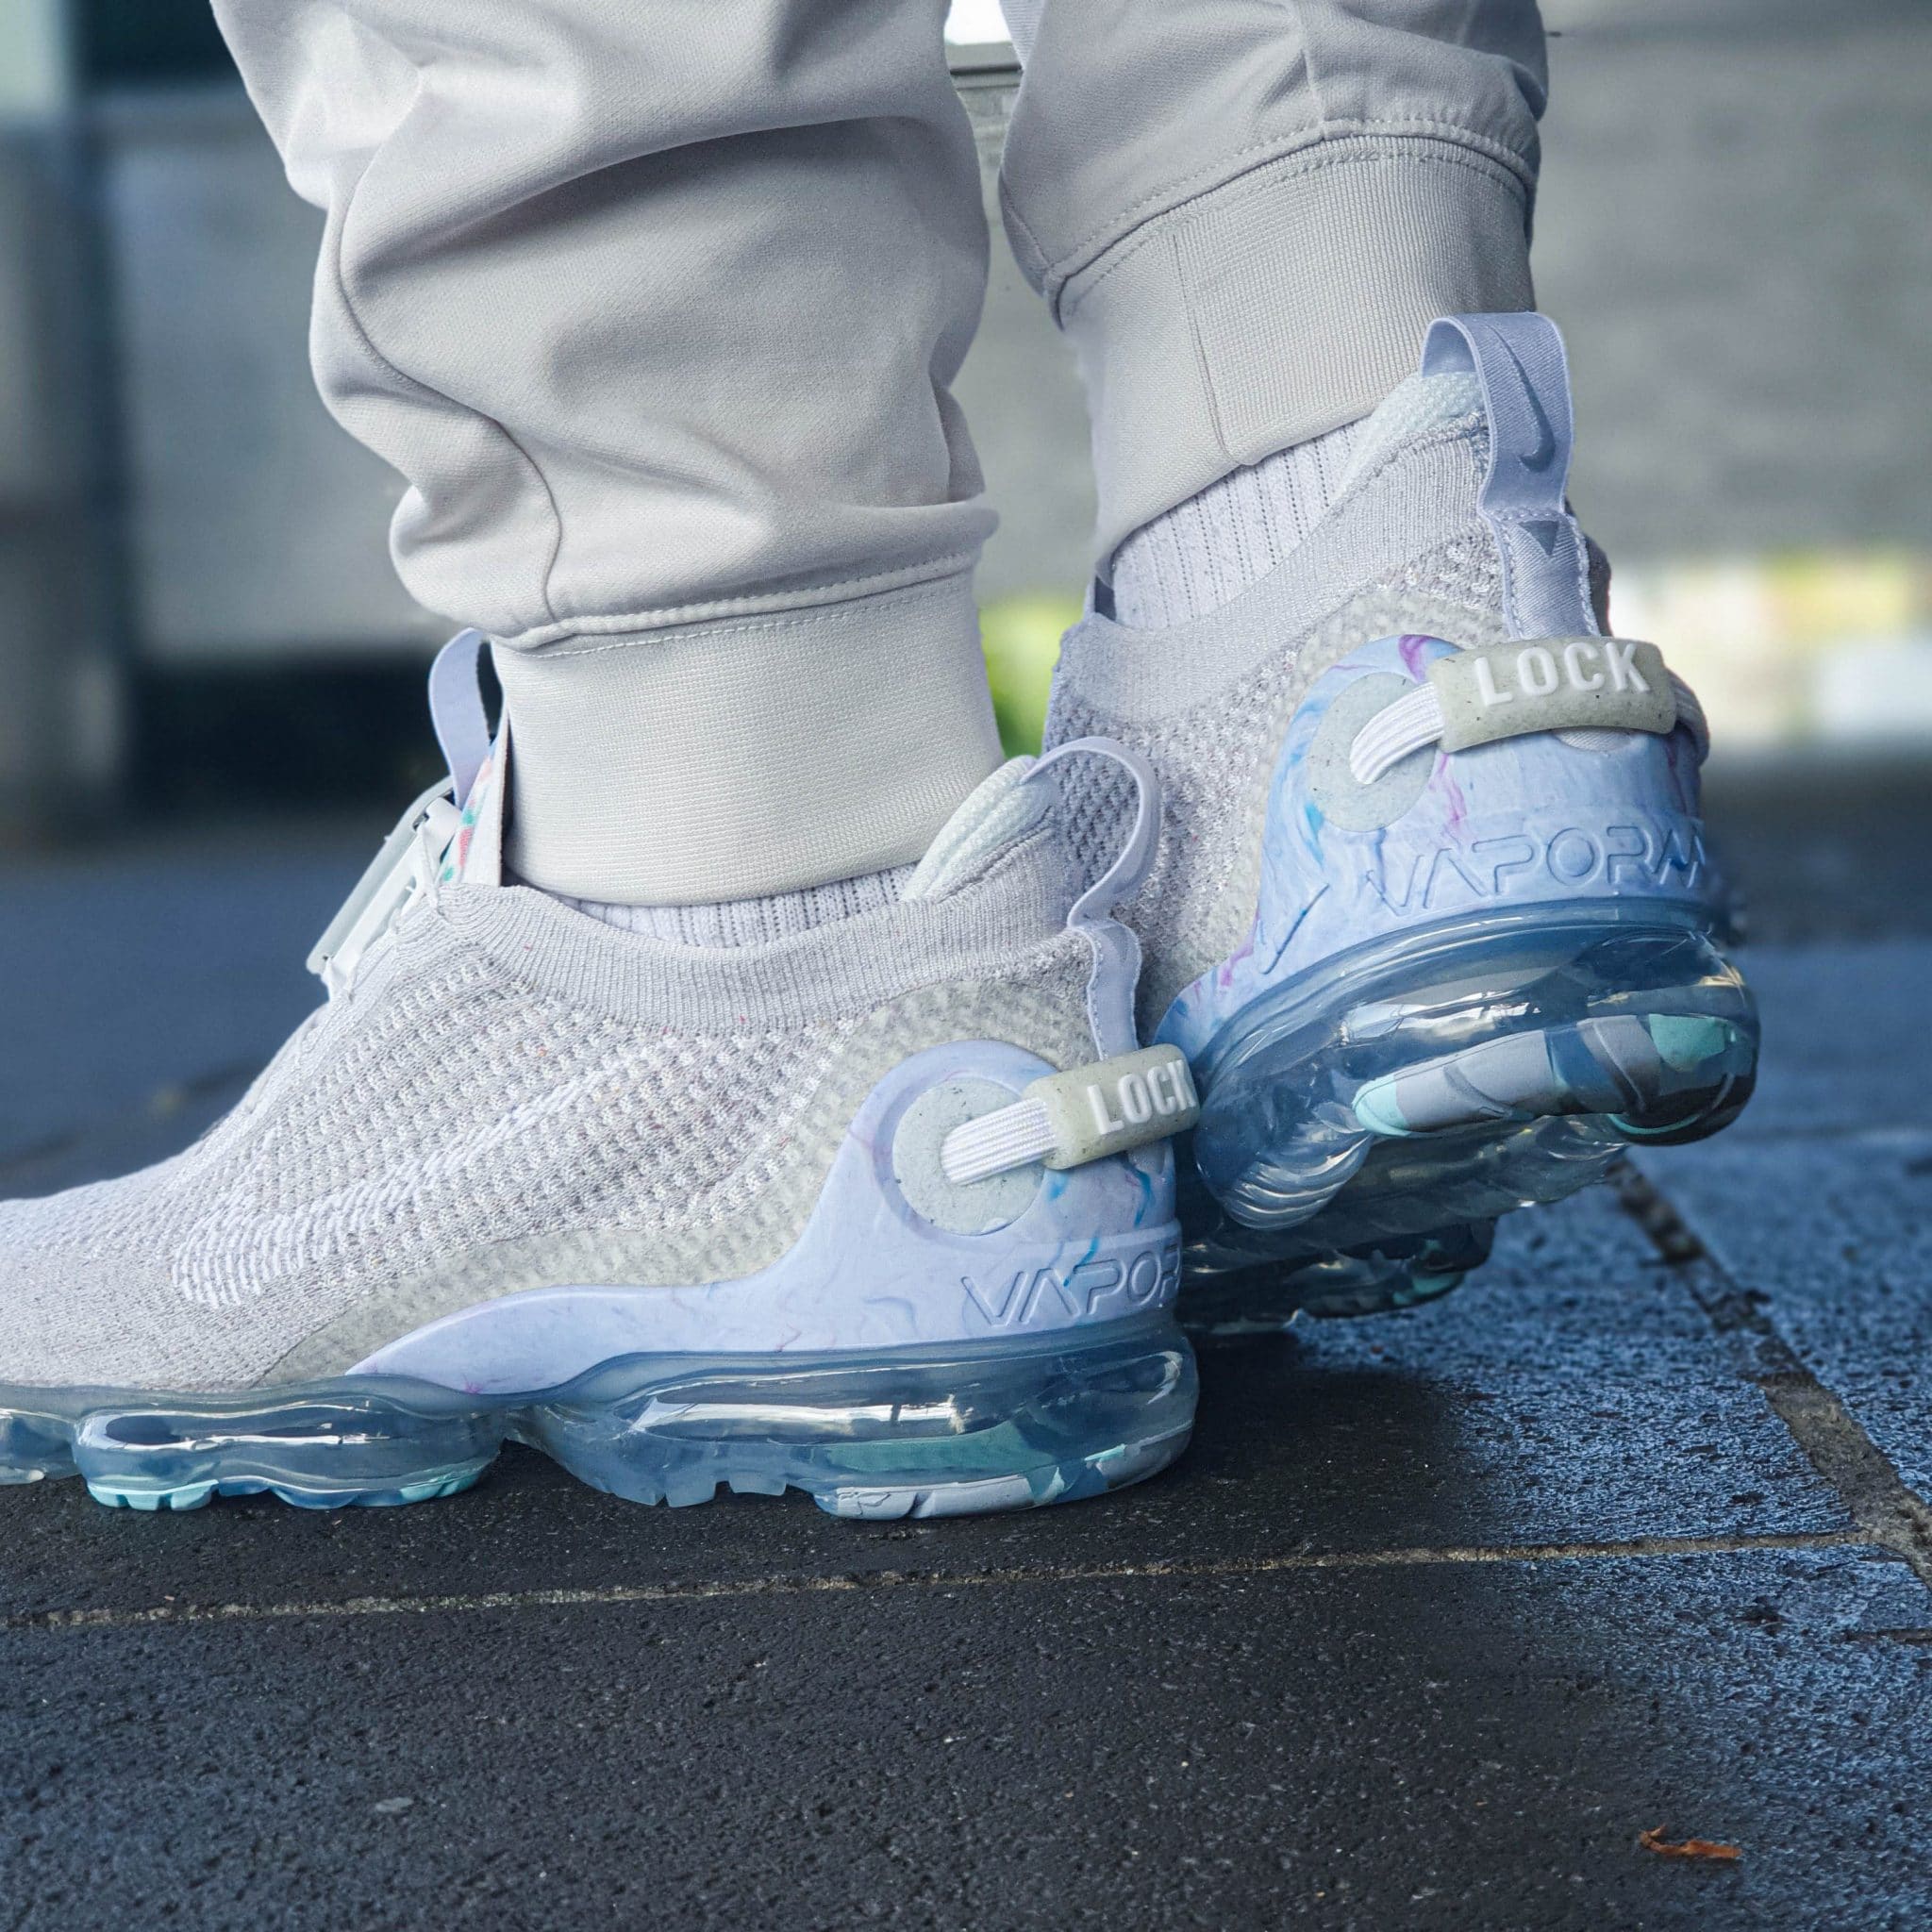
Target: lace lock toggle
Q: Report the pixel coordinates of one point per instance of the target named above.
(1066, 1120)
(405, 864)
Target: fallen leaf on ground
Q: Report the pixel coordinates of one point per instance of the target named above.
(1655, 1840)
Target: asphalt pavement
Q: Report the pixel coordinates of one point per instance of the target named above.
(1440, 1616)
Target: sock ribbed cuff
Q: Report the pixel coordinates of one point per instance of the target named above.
(754, 922)
(1207, 551)
(1203, 552)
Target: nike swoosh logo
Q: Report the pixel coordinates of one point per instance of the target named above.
(210, 1273)
(1539, 459)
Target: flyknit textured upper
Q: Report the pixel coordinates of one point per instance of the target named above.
(1207, 702)
(512, 1095)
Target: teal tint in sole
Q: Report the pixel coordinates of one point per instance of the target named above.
(1364, 1126)
(1652, 1071)
(176, 1497)
(986, 1426)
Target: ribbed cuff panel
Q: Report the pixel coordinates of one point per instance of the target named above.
(721, 760)
(1283, 304)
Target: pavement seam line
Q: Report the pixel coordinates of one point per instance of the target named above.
(1178, 1569)
(1886, 1510)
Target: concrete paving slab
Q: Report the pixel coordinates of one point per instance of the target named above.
(144, 1131)
(1848, 1041)
(1831, 1237)
(1418, 1746)
(1828, 842)
(1439, 1611)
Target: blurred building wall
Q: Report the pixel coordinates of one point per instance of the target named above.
(1735, 230)
(260, 526)
(59, 687)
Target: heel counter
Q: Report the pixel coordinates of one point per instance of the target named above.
(1554, 815)
(1552, 818)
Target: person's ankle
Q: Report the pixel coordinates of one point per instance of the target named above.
(756, 920)
(1203, 552)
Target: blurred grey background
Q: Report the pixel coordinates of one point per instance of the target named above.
(1736, 232)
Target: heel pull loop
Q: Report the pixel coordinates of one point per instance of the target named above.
(413, 855)
(1519, 362)
(1116, 951)
(456, 710)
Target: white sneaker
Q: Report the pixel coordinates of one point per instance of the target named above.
(1434, 918)
(677, 1217)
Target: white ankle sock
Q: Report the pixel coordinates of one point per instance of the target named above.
(754, 921)
(1205, 552)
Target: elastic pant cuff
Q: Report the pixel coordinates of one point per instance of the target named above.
(1284, 303)
(727, 759)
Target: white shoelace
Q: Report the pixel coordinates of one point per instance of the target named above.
(1415, 721)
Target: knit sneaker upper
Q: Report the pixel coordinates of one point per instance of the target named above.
(512, 1094)
(1207, 702)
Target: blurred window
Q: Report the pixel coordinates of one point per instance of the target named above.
(134, 42)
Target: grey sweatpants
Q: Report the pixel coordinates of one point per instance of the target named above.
(657, 303)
